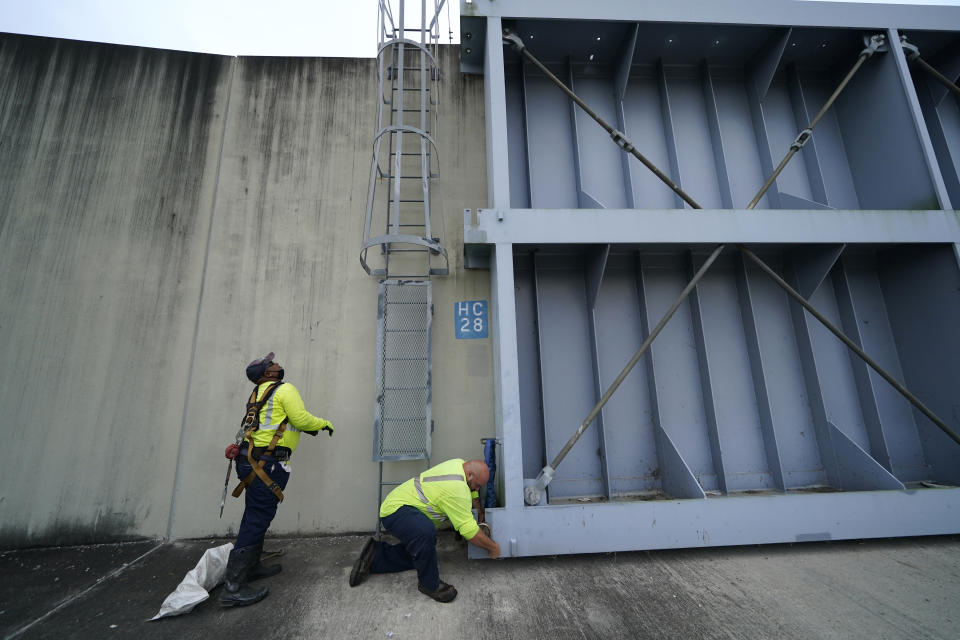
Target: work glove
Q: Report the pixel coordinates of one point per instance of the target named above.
(329, 430)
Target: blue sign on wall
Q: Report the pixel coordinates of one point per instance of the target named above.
(471, 319)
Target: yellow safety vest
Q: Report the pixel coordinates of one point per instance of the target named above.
(285, 403)
(440, 493)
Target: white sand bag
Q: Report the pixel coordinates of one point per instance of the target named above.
(195, 587)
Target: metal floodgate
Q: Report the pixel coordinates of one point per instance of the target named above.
(796, 359)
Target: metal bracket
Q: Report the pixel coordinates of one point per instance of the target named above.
(509, 37)
(430, 244)
(910, 50)
(875, 43)
(533, 493)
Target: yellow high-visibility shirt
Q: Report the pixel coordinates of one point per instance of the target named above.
(441, 493)
(284, 403)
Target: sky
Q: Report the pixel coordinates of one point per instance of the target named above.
(338, 28)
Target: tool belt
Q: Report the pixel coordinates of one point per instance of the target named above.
(280, 454)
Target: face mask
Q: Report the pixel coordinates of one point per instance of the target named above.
(280, 375)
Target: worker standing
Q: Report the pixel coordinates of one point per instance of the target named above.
(264, 471)
(413, 512)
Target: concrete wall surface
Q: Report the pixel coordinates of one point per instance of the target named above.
(164, 219)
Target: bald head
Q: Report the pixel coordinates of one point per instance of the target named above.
(476, 473)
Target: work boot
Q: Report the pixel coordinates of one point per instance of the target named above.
(235, 591)
(443, 593)
(361, 567)
(260, 570)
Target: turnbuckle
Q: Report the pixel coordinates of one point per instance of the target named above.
(802, 138)
(622, 141)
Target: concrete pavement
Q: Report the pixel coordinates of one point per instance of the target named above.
(902, 588)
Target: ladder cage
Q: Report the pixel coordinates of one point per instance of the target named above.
(401, 198)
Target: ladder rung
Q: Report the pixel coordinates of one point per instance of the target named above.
(404, 389)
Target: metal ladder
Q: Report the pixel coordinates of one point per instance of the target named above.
(399, 245)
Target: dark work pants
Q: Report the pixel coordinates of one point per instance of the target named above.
(417, 548)
(261, 504)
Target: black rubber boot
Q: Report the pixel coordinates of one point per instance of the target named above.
(235, 591)
(260, 570)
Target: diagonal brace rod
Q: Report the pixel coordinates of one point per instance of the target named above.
(942, 79)
(913, 55)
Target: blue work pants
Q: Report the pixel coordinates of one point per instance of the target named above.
(417, 548)
(261, 503)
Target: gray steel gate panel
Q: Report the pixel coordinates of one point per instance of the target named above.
(792, 423)
(632, 457)
(726, 358)
(643, 113)
(919, 317)
(743, 392)
(674, 355)
(565, 372)
(402, 415)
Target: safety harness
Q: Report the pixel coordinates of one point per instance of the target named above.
(251, 422)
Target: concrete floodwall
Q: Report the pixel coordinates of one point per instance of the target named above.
(166, 217)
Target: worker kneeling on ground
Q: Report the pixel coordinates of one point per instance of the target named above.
(413, 512)
(264, 471)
